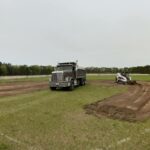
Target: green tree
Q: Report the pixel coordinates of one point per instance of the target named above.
(35, 70)
(3, 70)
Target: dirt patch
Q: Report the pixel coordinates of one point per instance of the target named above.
(133, 105)
(9, 89)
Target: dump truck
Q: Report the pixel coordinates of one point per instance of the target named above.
(67, 75)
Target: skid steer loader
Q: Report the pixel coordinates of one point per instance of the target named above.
(124, 78)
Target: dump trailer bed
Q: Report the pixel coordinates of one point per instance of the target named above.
(81, 73)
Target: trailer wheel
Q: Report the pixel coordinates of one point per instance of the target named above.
(82, 82)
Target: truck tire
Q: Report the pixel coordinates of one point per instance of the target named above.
(53, 88)
(82, 82)
(71, 86)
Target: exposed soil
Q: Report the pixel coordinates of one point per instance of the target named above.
(9, 89)
(133, 105)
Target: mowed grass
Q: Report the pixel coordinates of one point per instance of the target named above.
(56, 120)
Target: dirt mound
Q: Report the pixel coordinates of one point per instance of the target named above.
(133, 105)
(112, 112)
(9, 89)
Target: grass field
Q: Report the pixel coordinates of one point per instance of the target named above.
(46, 120)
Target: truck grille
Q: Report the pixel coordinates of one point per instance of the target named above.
(54, 77)
(57, 77)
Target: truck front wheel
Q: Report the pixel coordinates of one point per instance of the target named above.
(72, 86)
(53, 88)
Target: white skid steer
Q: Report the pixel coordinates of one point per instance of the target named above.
(124, 78)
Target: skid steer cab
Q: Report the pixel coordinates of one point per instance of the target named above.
(67, 75)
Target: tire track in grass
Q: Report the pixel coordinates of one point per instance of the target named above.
(122, 141)
(18, 142)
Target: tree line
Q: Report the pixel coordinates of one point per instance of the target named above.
(138, 69)
(7, 69)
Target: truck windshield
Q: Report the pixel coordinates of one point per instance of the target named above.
(62, 68)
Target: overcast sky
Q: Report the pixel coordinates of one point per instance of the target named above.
(94, 32)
